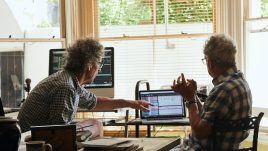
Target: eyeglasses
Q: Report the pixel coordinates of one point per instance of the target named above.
(204, 61)
(100, 63)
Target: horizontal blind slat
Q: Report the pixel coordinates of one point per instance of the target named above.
(161, 60)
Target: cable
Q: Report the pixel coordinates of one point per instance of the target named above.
(158, 130)
(118, 135)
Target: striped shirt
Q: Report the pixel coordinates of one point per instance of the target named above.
(54, 101)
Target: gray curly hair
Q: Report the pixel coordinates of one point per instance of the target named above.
(221, 50)
(81, 53)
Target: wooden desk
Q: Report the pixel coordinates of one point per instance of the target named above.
(12, 114)
(148, 144)
(138, 122)
(158, 144)
(87, 110)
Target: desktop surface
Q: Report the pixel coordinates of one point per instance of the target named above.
(147, 144)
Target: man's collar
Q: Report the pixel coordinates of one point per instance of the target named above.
(224, 76)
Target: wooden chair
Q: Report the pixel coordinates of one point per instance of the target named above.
(250, 123)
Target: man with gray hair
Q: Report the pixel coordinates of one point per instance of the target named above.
(230, 98)
(56, 98)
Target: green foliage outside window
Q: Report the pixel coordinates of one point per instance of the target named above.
(193, 11)
(134, 12)
(123, 12)
(264, 8)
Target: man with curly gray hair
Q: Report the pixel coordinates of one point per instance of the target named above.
(230, 98)
(55, 99)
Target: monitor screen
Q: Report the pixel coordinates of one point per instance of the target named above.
(56, 60)
(103, 85)
(105, 77)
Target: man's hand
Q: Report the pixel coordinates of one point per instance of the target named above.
(140, 105)
(187, 88)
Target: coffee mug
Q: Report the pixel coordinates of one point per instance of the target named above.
(38, 146)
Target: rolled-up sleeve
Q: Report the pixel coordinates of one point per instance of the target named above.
(87, 99)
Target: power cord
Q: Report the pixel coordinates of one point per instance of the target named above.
(158, 130)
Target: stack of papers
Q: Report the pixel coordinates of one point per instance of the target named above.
(111, 144)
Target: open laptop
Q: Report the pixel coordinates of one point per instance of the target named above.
(168, 107)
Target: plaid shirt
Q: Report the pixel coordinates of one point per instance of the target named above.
(229, 99)
(54, 101)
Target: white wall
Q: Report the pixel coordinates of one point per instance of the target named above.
(9, 26)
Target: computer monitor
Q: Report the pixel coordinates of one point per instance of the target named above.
(103, 85)
(56, 60)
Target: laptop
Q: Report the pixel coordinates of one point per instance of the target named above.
(168, 107)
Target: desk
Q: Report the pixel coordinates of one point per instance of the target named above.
(158, 144)
(12, 114)
(87, 110)
(138, 122)
(148, 144)
(10, 110)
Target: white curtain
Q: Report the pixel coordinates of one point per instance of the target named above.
(229, 14)
(79, 20)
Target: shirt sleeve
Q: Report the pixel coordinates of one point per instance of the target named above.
(87, 99)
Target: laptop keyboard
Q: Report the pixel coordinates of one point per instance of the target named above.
(154, 121)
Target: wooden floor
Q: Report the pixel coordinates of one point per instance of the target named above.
(262, 141)
(261, 146)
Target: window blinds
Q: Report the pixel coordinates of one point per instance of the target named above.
(156, 40)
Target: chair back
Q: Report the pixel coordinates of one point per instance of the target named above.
(240, 125)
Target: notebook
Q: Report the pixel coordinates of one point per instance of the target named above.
(168, 107)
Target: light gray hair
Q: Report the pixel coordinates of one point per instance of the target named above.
(221, 50)
(81, 53)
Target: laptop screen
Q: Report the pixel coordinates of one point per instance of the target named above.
(167, 104)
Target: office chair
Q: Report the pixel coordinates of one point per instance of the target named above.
(239, 125)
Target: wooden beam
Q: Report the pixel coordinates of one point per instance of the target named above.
(32, 40)
(154, 37)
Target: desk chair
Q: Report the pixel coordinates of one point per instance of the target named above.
(244, 124)
(137, 112)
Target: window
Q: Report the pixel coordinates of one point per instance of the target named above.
(30, 30)
(256, 50)
(156, 40)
